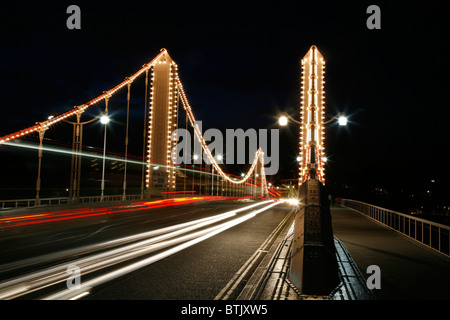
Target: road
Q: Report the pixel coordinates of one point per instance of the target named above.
(188, 251)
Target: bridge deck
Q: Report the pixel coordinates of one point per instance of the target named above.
(408, 269)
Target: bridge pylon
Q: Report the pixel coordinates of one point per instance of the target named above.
(162, 122)
(313, 269)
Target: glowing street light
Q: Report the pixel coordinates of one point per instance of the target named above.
(342, 120)
(285, 118)
(282, 121)
(104, 119)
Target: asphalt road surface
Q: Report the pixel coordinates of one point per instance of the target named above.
(184, 252)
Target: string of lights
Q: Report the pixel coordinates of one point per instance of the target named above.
(259, 154)
(312, 132)
(39, 126)
(44, 125)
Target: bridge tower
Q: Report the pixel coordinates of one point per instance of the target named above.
(313, 268)
(162, 122)
(312, 114)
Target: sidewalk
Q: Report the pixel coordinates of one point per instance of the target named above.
(409, 270)
(271, 279)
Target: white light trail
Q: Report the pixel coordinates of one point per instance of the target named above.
(198, 237)
(154, 240)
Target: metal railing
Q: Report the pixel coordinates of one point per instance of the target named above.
(23, 203)
(431, 234)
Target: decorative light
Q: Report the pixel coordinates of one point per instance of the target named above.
(312, 100)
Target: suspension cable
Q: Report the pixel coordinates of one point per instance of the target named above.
(259, 154)
(46, 124)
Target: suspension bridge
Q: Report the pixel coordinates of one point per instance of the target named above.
(181, 231)
(159, 170)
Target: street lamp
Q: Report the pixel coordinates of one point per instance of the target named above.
(195, 157)
(283, 120)
(342, 120)
(104, 119)
(219, 157)
(74, 190)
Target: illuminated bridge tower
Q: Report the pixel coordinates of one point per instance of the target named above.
(313, 268)
(162, 122)
(312, 112)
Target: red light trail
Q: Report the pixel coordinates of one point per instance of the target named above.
(69, 214)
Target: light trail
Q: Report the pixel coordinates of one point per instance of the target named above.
(107, 244)
(69, 214)
(155, 240)
(197, 238)
(109, 158)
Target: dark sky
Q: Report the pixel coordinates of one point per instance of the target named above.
(240, 65)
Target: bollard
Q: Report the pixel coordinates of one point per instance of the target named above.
(313, 265)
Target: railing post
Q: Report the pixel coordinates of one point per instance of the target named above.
(439, 239)
(38, 180)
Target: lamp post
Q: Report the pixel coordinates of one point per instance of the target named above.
(195, 157)
(285, 118)
(243, 189)
(212, 180)
(37, 201)
(218, 157)
(75, 173)
(104, 119)
(124, 196)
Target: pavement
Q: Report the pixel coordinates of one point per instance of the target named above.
(408, 270)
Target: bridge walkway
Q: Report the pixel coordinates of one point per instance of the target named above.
(409, 270)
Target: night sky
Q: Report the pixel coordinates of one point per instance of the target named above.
(240, 66)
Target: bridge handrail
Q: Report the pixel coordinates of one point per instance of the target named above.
(429, 233)
(24, 203)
